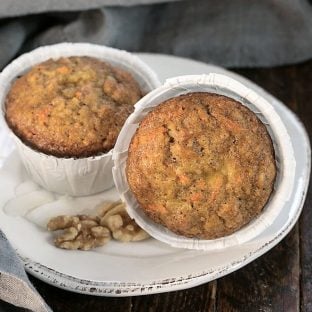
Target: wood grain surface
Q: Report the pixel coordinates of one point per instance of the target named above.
(280, 280)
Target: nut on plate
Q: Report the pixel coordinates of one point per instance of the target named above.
(79, 232)
(85, 232)
(123, 228)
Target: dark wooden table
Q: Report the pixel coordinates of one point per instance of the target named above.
(280, 280)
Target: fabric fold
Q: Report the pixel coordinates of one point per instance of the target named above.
(15, 287)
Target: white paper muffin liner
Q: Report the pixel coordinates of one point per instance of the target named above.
(80, 176)
(223, 85)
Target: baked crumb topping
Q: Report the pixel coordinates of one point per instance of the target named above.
(71, 107)
(202, 165)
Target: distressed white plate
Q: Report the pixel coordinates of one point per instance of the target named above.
(146, 267)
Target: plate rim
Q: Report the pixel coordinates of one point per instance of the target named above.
(122, 289)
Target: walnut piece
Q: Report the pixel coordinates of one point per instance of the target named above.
(79, 232)
(105, 207)
(62, 222)
(85, 232)
(123, 228)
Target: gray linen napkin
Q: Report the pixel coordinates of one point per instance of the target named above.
(228, 33)
(18, 7)
(15, 286)
(12, 36)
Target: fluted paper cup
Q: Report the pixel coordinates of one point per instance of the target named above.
(223, 85)
(73, 176)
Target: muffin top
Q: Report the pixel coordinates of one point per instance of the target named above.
(71, 107)
(202, 165)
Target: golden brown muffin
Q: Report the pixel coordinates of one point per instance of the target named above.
(71, 107)
(202, 165)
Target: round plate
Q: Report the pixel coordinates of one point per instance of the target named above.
(128, 269)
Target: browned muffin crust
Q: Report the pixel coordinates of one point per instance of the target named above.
(71, 107)
(202, 165)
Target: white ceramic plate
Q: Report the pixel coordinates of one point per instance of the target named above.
(145, 267)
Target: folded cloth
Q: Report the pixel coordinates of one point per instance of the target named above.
(15, 286)
(12, 36)
(17, 7)
(228, 33)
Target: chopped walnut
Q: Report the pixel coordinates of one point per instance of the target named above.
(85, 232)
(79, 232)
(105, 207)
(68, 235)
(99, 231)
(62, 222)
(123, 228)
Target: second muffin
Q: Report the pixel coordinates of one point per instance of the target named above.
(202, 165)
(71, 107)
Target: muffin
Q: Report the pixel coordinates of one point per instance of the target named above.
(201, 164)
(64, 116)
(72, 106)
